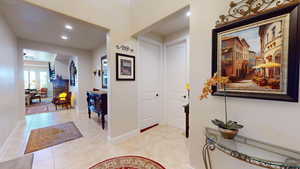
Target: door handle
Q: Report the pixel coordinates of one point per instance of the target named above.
(184, 97)
(156, 94)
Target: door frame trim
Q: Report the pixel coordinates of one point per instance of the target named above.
(186, 39)
(139, 75)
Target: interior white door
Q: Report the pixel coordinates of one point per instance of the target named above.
(175, 80)
(150, 83)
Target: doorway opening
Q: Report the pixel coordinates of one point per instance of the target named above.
(60, 60)
(37, 81)
(163, 87)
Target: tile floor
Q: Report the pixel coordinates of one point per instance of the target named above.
(163, 144)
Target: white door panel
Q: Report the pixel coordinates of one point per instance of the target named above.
(176, 79)
(150, 83)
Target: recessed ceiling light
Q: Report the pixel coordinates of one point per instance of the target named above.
(64, 37)
(188, 13)
(68, 27)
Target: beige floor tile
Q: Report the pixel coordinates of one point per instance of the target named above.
(163, 144)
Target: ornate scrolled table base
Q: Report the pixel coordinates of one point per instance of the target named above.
(286, 158)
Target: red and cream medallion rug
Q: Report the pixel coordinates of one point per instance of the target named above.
(128, 162)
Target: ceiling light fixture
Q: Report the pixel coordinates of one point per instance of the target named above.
(68, 27)
(64, 37)
(188, 13)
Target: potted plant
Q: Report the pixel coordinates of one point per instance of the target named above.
(228, 129)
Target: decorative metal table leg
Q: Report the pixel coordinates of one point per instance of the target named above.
(206, 156)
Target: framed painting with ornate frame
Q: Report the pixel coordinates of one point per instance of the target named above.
(260, 55)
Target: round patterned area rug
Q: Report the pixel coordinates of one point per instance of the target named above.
(128, 162)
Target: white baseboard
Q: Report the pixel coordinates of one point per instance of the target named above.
(124, 137)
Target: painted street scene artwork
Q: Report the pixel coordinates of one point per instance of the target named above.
(253, 58)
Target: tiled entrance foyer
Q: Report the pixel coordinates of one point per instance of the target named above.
(163, 144)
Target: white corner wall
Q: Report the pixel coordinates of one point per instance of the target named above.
(84, 75)
(9, 112)
(123, 113)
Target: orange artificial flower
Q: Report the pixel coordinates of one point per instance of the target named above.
(214, 81)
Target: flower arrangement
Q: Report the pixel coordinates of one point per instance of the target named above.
(228, 129)
(214, 81)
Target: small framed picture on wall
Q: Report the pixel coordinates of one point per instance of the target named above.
(125, 67)
(105, 75)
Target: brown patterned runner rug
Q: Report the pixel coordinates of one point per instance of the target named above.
(128, 162)
(50, 136)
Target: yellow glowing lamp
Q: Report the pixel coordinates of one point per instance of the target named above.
(188, 86)
(62, 96)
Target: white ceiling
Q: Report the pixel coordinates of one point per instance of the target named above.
(42, 56)
(173, 23)
(38, 24)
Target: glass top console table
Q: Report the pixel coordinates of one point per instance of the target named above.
(250, 151)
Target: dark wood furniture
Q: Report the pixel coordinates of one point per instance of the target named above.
(187, 120)
(63, 101)
(97, 102)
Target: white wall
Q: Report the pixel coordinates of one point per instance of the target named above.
(9, 112)
(159, 9)
(123, 103)
(62, 68)
(202, 21)
(84, 75)
(154, 37)
(97, 54)
(177, 35)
